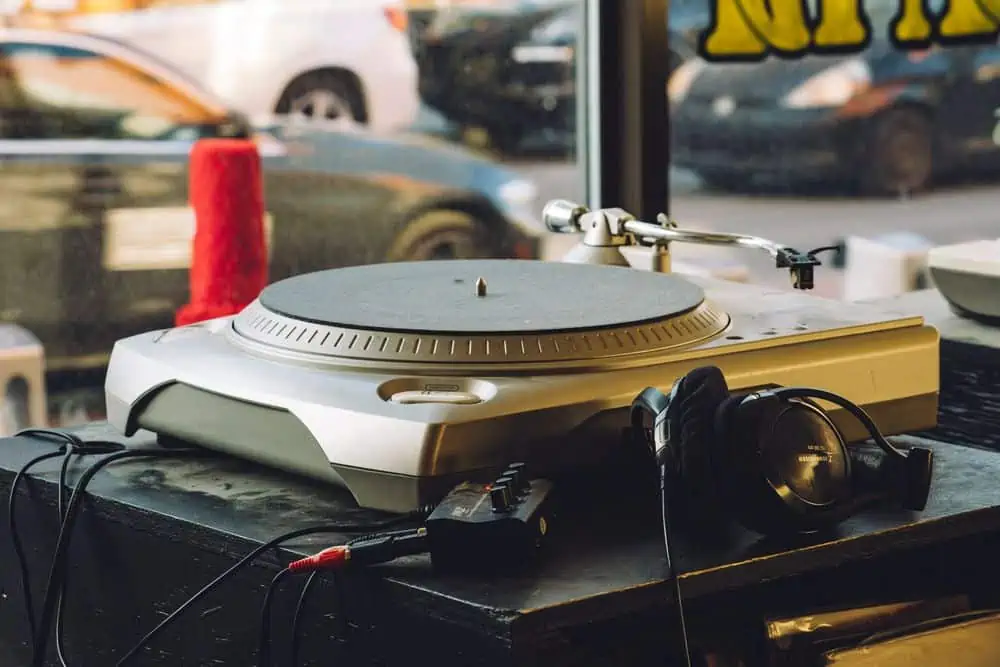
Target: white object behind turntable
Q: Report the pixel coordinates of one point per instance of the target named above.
(884, 266)
(968, 277)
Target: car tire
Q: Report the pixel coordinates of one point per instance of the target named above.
(440, 235)
(901, 161)
(338, 93)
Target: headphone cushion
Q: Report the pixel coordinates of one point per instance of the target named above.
(699, 395)
(755, 505)
(724, 445)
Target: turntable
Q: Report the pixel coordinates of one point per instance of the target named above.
(395, 380)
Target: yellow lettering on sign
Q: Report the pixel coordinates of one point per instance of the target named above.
(969, 21)
(750, 30)
(911, 27)
(842, 26)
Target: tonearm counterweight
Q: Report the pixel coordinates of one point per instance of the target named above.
(606, 231)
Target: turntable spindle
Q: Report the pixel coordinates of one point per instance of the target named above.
(480, 286)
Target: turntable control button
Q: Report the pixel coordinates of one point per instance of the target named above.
(518, 483)
(446, 397)
(500, 498)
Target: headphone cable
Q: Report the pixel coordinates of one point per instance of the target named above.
(672, 563)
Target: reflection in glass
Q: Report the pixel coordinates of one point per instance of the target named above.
(461, 123)
(895, 147)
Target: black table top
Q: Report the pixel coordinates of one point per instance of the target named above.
(596, 565)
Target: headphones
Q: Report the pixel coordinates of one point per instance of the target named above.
(771, 460)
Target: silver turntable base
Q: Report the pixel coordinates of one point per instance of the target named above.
(395, 380)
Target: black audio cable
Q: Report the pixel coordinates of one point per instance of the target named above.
(264, 631)
(61, 493)
(363, 550)
(60, 560)
(55, 587)
(330, 528)
(300, 606)
(15, 538)
(70, 445)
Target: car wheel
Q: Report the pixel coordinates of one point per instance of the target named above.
(902, 157)
(326, 96)
(442, 235)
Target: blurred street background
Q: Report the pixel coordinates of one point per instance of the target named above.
(371, 109)
(959, 210)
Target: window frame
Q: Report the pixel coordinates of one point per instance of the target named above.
(626, 146)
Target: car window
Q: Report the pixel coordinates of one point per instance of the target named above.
(59, 92)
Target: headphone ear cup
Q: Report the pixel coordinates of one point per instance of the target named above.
(736, 457)
(698, 397)
(727, 435)
(728, 447)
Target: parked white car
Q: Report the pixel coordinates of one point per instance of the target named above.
(340, 61)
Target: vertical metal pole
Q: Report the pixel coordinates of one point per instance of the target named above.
(626, 145)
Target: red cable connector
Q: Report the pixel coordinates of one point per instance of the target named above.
(327, 558)
(366, 551)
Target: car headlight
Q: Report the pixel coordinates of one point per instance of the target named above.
(518, 197)
(682, 78)
(832, 87)
(518, 193)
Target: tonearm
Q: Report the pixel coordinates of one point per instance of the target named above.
(606, 231)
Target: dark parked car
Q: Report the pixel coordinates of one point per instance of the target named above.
(95, 228)
(507, 69)
(887, 120)
(512, 69)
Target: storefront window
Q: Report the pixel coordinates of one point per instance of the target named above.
(388, 131)
(890, 145)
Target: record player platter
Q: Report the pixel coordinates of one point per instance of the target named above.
(496, 314)
(396, 380)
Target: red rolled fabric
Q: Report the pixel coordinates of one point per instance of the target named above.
(229, 253)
